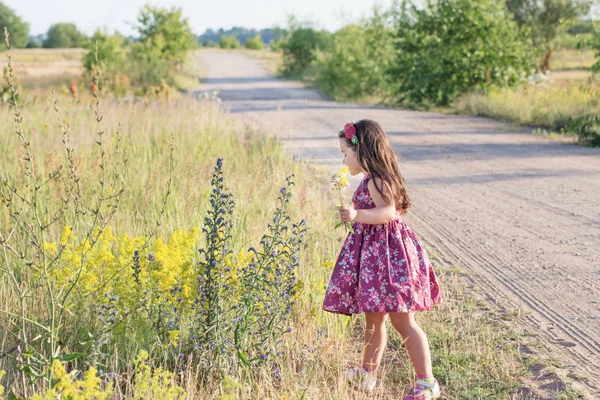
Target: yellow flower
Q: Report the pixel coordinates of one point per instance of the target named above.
(66, 235)
(50, 247)
(174, 337)
(2, 387)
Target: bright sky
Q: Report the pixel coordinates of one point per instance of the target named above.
(259, 14)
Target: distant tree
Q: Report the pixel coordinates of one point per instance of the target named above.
(545, 18)
(169, 24)
(581, 26)
(36, 42)
(229, 42)
(209, 43)
(242, 34)
(454, 46)
(65, 35)
(17, 28)
(255, 43)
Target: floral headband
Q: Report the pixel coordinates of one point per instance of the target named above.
(349, 132)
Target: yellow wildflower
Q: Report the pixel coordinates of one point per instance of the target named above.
(2, 387)
(50, 247)
(174, 337)
(66, 235)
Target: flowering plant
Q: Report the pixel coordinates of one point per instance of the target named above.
(339, 182)
(349, 132)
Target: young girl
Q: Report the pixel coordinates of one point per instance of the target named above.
(382, 269)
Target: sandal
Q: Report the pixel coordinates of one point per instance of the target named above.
(362, 379)
(424, 390)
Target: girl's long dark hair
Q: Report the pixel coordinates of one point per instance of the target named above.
(376, 156)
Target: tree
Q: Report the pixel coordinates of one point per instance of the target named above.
(545, 18)
(18, 30)
(36, 42)
(169, 24)
(453, 46)
(65, 35)
(255, 43)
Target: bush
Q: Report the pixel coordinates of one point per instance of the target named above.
(255, 43)
(358, 61)
(111, 59)
(229, 42)
(587, 129)
(300, 49)
(454, 46)
(167, 29)
(146, 63)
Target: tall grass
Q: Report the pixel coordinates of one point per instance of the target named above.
(542, 106)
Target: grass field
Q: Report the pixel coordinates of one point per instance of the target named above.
(476, 348)
(566, 93)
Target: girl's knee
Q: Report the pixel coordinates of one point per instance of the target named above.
(375, 319)
(404, 323)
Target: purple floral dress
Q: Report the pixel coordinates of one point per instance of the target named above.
(381, 268)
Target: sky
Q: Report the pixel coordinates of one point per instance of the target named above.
(259, 14)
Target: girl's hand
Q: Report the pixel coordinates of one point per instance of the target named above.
(347, 214)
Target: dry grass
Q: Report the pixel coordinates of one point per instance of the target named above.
(42, 69)
(568, 59)
(569, 92)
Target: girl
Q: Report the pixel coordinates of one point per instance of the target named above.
(382, 269)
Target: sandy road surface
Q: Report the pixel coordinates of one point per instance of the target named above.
(519, 213)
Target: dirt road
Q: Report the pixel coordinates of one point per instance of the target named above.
(519, 213)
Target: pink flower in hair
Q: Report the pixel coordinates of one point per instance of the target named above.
(349, 131)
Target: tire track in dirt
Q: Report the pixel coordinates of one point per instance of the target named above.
(518, 213)
(589, 342)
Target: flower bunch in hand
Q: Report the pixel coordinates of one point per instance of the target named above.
(338, 182)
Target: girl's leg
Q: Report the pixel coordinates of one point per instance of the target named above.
(375, 340)
(415, 341)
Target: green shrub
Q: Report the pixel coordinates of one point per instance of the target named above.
(111, 60)
(594, 43)
(169, 30)
(300, 49)
(453, 46)
(357, 63)
(146, 63)
(255, 43)
(229, 42)
(587, 129)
